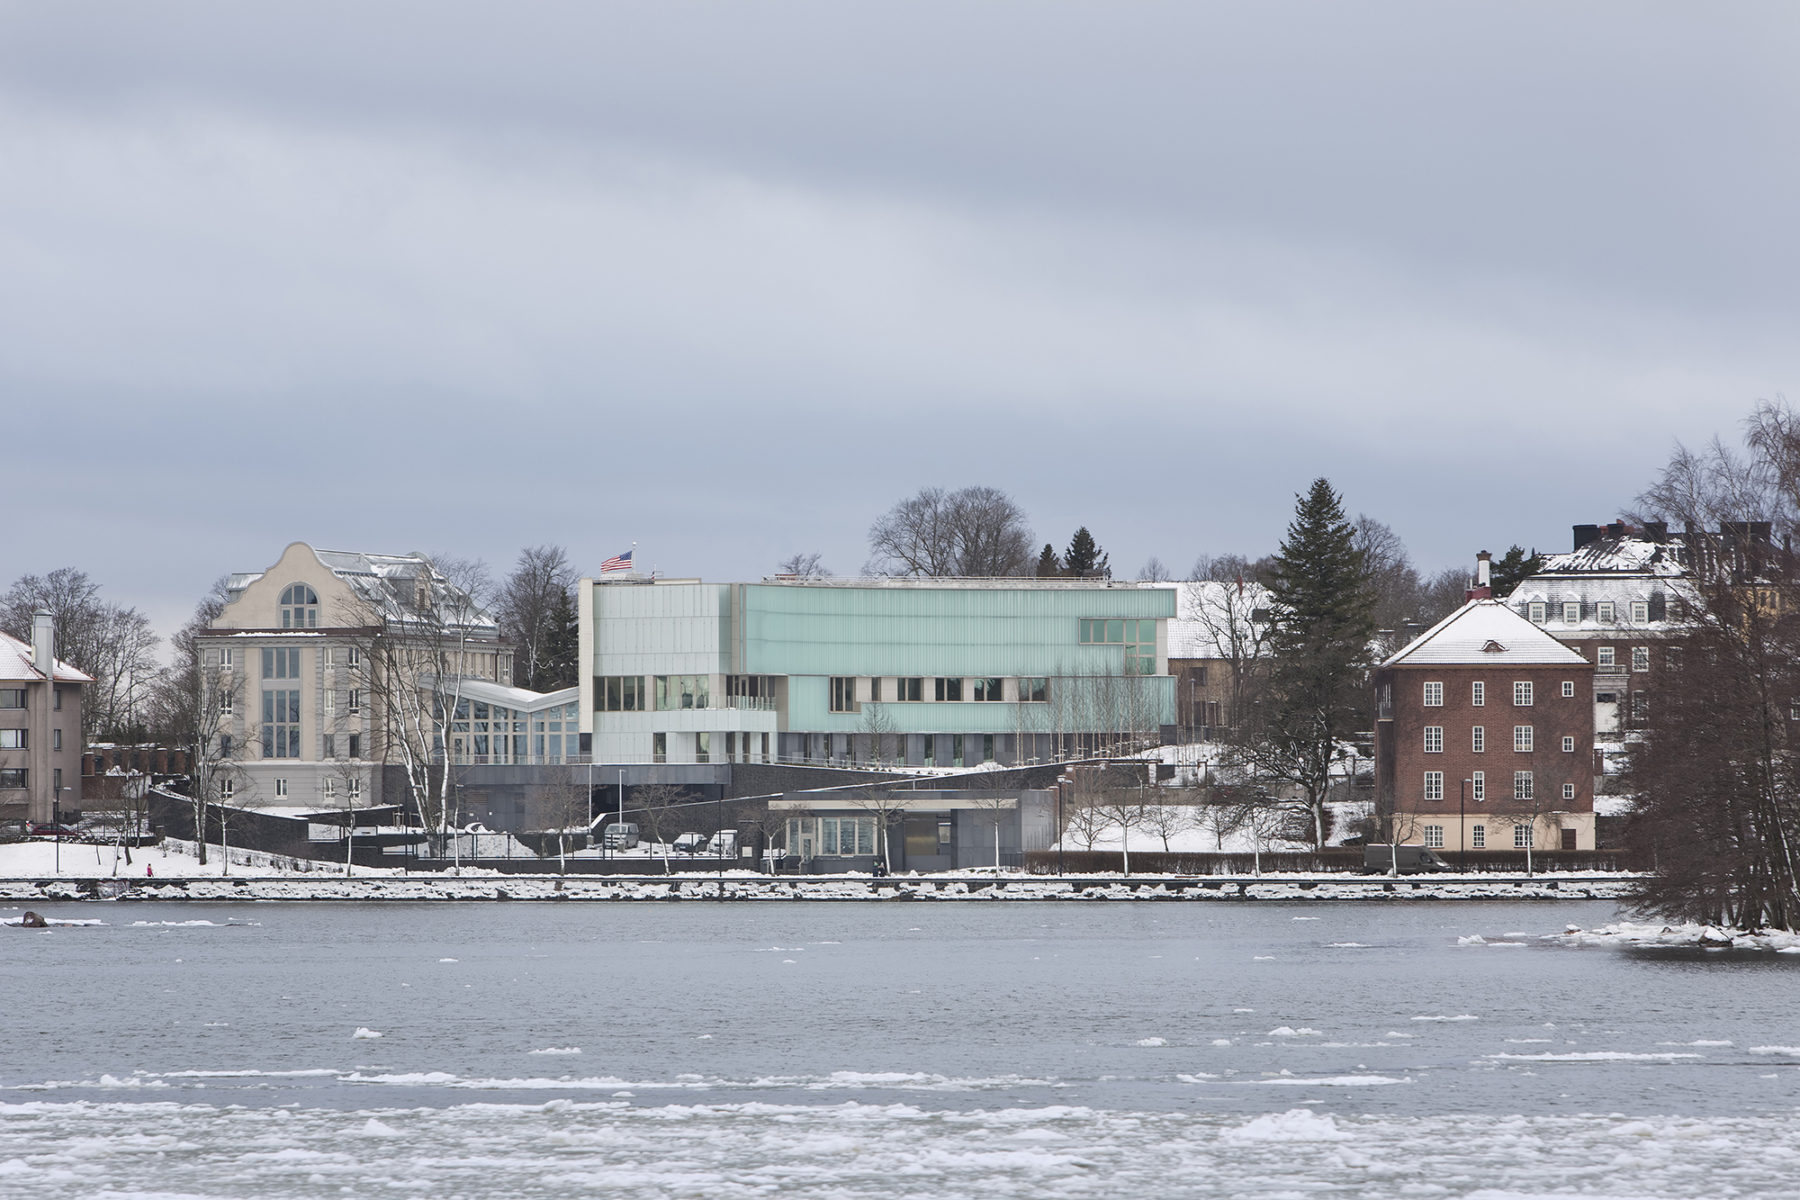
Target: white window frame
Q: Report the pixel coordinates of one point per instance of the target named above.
(1534, 612)
(1603, 612)
(355, 788)
(355, 700)
(1605, 656)
(1434, 739)
(1640, 612)
(1640, 658)
(1434, 837)
(1434, 694)
(1571, 612)
(1568, 745)
(1477, 694)
(227, 788)
(1478, 786)
(1524, 836)
(1478, 739)
(1524, 694)
(1434, 785)
(1568, 791)
(1524, 739)
(280, 786)
(1478, 837)
(1524, 786)
(1568, 687)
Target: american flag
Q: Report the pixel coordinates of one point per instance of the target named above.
(618, 562)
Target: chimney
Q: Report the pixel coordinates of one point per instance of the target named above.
(43, 643)
(1483, 589)
(1585, 534)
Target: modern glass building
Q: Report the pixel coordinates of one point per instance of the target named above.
(919, 672)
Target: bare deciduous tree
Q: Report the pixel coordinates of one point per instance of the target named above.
(973, 531)
(803, 566)
(888, 807)
(530, 606)
(660, 809)
(1153, 571)
(113, 643)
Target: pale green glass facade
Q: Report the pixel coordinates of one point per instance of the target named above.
(802, 635)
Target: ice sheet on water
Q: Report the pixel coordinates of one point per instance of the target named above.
(858, 1151)
(1457, 1017)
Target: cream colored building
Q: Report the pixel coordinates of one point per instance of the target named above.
(319, 661)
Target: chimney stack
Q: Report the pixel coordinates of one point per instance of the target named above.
(43, 644)
(1483, 589)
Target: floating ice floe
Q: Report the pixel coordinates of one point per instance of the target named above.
(1295, 1125)
(364, 1033)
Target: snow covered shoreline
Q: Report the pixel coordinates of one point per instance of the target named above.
(752, 887)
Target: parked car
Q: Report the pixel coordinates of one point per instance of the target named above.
(51, 830)
(723, 844)
(689, 843)
(1412, 860)
(622, 836)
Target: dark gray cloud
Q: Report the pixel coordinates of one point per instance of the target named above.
(730, 279)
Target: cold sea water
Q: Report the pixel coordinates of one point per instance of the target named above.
(887, 1050)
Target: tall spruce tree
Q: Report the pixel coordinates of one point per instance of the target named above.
(1084, 559)
(1513, 568)
(1322, 621)
(1048, 565)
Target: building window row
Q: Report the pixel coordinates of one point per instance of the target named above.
(1137, 637)
(1571, 611)
(281, 663)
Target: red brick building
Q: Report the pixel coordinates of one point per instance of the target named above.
(1484, 734)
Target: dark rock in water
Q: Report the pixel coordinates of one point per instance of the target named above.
(32, 921)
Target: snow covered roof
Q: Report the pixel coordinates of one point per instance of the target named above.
(1209, 616)
(16, 664)
(1481, 632)
(1619, 555)
(389, 584)
(516, 698)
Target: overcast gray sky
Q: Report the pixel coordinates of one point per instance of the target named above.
(730, 279)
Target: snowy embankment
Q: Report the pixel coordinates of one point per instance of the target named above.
(748, 886)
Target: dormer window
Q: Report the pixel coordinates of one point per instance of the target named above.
(299, 607)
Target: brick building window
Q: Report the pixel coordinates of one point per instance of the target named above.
(1568, 745)
(1434, 785)
(1603, 657)
(1640, 658)
(1522, 786)
(1522, 694)
(1478, 739)
(1478, 786)
(1568, 687)
(1568, 791)
(1434, 739)
(1434, 695)
(1478, 694)
(1522, 739)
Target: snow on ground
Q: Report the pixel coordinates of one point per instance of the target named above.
(172, 859)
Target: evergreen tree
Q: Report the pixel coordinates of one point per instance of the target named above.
(560, 666)
(1048, 565)
(1084, 559)
(1513, 568)
(1322, 623)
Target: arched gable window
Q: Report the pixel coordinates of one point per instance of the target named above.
(299, 607)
